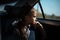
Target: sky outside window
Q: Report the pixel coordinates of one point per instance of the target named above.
(50, 7)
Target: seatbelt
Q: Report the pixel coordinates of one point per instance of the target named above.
(32, 35)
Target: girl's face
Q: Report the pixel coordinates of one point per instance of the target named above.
(31, 19)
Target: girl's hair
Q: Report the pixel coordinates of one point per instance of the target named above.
(25, 11)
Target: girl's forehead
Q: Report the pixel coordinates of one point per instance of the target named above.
(33, 12)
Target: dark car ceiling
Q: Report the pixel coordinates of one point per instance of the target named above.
(19, 2)
(25, 2)
(6, 1)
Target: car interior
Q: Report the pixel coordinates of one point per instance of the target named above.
(52, 27)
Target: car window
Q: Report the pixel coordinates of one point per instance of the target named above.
(51, 9)
(39, 13)
(2, 7)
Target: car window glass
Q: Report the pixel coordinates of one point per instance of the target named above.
(51, 9)
(39, 14)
